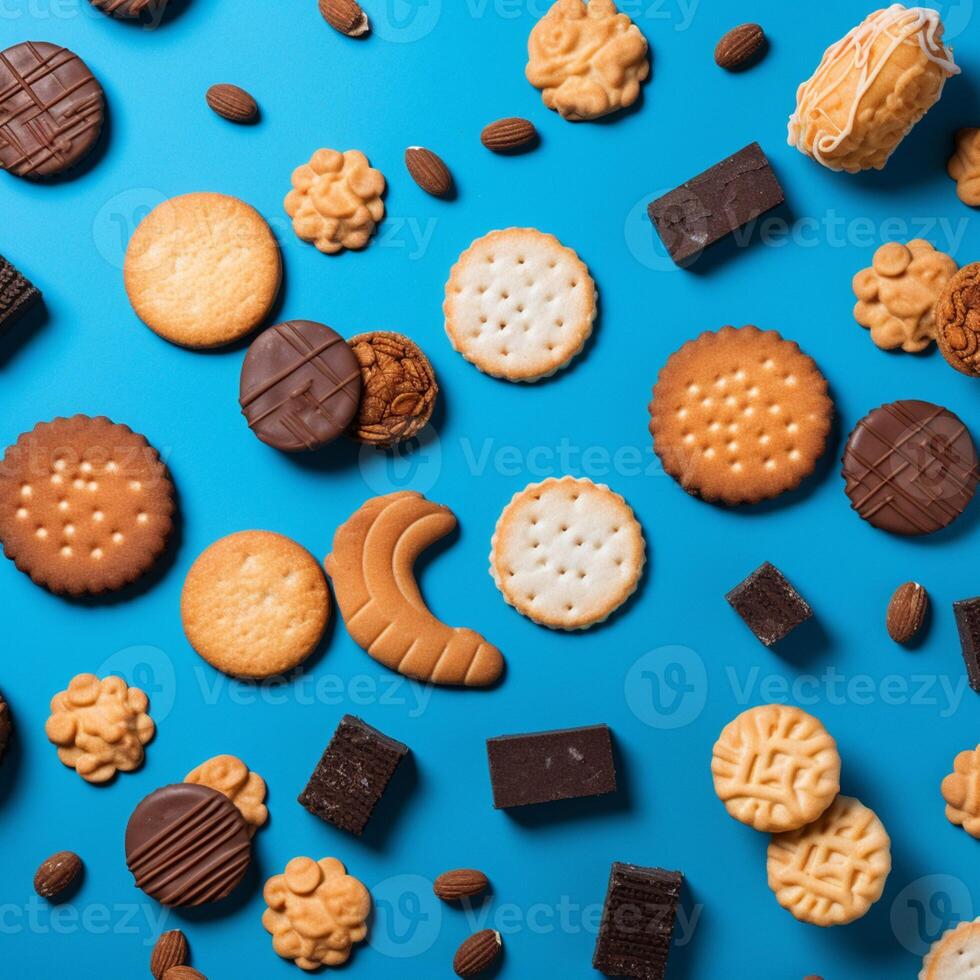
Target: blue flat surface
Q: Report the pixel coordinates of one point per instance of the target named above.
(668, 672)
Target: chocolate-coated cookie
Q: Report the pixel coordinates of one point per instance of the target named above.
(130, 9)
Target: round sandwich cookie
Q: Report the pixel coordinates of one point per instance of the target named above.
(187, 844)
(51, 109)
(910, 467)
(131, 9)
(254, 604)
(567, 553)
(399, 389)
(955, 955)
(957, 318)
(86, 505)
(300, 386)
(519, 304)
(202, 270)
(740, 415)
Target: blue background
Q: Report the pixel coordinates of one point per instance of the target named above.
(669, 671)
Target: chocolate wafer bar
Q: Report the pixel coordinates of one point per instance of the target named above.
(17, 293)
(352, 775)
(967, 612)
(637, 922)
(768, 604)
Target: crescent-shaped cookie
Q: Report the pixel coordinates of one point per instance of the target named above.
(371, 566)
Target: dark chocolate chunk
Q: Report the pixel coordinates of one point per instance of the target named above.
(910, 467)
(6, 726)
(300, 386)
(637, 922)
(352, 775)
(544, 767)
(770, 606)
(712, 205)
(187, 844)
(967, 612)
(51, 109)
(17, 293)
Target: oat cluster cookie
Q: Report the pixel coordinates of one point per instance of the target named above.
(961, 791)
(231, 777)
(964, 166)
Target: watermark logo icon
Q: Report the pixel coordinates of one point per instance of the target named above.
(411, 465)
(667, 687)
(404, 21)
(149, 669)
(925, 908)
(408, 917)
(116, 220)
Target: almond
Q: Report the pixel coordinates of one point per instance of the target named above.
(460, 883)
(57, 873)
(906, 612)
(170, 950)
(477, 953)
(507, 135)
(345, 16)
(183, 973)
(428, 171)
(232, 103)
(738, 46)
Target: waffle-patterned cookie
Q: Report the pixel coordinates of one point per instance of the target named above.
(955, 955)
(961, 791)
(775, 768)
(833, 870)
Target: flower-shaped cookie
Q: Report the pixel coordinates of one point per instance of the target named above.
(100, 726)
(244, 788)
(897, 294)
(961, 791)
(964, 166)
(587, 58)
(336, 200)
(316, 912)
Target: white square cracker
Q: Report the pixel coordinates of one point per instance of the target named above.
(566, 553)
(519, 304)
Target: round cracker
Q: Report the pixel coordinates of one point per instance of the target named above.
(567, 552)
(202, 270)
(254, 604)
(955, 955)
(519, 304)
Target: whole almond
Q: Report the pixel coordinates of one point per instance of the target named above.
(507, 135)
(477, 953)
(57, 873)
(345, 16)
(170, 950)
(428, 171)
(906, 612)
(232, 102)
(738, 46)
(183, 973)
(460, 883)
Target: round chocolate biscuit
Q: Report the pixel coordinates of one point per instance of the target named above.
(300, 386)
(958, 320)
(187, 844)
(86, 505)
(51, 109)
(910, 467)
(130, 9)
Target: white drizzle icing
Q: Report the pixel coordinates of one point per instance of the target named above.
(921, 22)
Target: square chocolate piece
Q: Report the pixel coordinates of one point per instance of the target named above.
(352, 775)
(637, 922)
(17, 294)
(770, 606)
(712, 205)
(967, 612)
(544, 767)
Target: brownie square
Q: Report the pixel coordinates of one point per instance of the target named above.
(352, 775)
(17, 293)
(967, 612)
(769, 605)
(637, 922)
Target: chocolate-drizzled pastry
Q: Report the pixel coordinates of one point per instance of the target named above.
(51, 109)
(910, 467)
(187, 844)
(129, 9)
(300, 386)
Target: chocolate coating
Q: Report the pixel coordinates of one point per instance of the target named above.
(51, 109)
(300, 385)
(910, 467)
(129, 9)
(187, 844)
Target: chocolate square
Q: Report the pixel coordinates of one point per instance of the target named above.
(770, 606)
(352, 775)
(543, 767)
(967, 612)
(706, 208)
(17, 293)
(637, 922)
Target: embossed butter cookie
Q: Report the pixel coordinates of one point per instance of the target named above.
(587, 58)
(86, 505)
(519, 304)
(740, 415)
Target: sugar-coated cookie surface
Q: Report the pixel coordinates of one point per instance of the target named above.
(254, 604)
(519, 304)
(955, 955)
(567, 552)
(202, 270)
